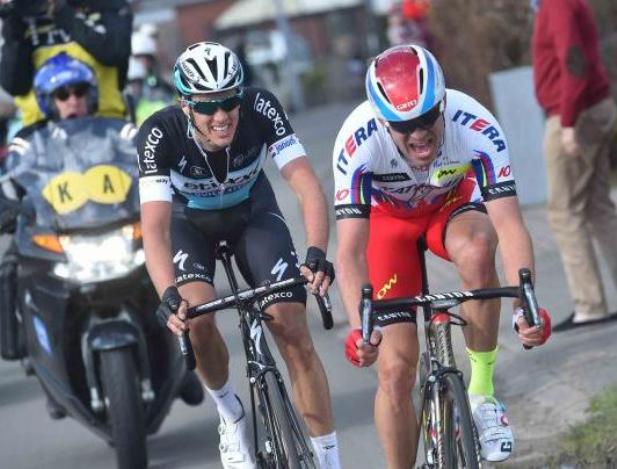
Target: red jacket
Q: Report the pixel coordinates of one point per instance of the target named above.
(568, 74)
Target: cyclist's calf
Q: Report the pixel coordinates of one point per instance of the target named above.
(397, 362)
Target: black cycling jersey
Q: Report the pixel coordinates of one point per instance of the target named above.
(235, 204)
(172, 166)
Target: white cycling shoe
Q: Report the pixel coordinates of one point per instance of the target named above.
(235, 444)
(494, 431)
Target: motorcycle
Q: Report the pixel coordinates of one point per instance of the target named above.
(85, 322)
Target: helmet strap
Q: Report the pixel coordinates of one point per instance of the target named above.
(192, 127)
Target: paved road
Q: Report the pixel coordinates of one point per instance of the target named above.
(546, 389)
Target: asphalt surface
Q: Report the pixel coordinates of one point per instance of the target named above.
(546, 390)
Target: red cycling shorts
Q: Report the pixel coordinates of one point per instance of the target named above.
(393, 260)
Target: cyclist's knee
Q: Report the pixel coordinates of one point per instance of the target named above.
(203, 328)
(397, 379)
(474, 257)
(290, 330)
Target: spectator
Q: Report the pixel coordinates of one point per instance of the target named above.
(149, 91)
(96, 32)
(572, 86)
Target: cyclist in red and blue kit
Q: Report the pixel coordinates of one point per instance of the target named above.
(419, 160)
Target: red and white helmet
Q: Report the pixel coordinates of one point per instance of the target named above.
(404, 82)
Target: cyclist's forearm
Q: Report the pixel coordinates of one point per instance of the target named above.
(352, 275)
(157, 247)
(517, 252)
(315, 216)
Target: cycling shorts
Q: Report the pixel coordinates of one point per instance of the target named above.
(256, 232)
(393, 259)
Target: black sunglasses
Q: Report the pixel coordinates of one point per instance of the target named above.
(424, 121)
(79, 91)
(210, 107)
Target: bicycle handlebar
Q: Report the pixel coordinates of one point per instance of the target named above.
(249, 295)
(524, 291)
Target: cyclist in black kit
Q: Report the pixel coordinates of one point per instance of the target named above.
(201, 181)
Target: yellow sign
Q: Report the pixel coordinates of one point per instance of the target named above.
(104, 184)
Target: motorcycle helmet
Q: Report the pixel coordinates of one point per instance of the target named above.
(58, 71)
(404, 82)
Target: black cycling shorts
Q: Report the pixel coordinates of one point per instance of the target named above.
(256, 232)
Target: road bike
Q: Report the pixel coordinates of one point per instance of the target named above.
(279, 441)
(448, 433)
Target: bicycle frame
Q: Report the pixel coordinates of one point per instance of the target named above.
(284, 441)
(260, 362)
(441, 383)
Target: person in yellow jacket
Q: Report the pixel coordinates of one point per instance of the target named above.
(96, 32)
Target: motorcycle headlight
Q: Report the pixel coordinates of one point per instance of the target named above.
(100, 257)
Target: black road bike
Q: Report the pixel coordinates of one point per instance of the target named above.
(279, 441)
(449, 435)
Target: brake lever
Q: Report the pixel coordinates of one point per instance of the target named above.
(366, 312)
(530, 303)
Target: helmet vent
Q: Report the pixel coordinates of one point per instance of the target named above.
(421, 77)
(383, 92)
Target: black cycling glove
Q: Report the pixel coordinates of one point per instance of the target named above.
(170, 303)
(316, 262)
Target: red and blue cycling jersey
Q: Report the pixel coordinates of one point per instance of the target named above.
(369, 170)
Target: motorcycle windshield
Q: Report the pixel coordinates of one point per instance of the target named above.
(78, 173)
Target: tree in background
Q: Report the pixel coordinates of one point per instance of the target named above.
(474, 38)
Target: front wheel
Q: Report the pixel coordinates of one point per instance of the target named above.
(125, 413)
(460, 447)
(288, 449)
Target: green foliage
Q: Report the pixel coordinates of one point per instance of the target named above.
(473, 38)
(593, 443)
(314, 82)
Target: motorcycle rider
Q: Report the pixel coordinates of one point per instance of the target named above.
(65, 88)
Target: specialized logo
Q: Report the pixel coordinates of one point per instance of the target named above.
(103, 184)
(256, 333)
(182, 164)
(383, 291)
(279, 269)
(481, 125)
(180, 258)
(152, 140)
(264, 106)
(352, 143)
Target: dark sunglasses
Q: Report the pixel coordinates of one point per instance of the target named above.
(79, 91)
(210, 107)
(424, 121)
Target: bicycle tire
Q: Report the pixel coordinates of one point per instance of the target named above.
(279, 426)
(460, 447)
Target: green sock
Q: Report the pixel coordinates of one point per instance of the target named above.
(482, 366)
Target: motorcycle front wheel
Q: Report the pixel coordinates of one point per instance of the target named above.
(125, 412)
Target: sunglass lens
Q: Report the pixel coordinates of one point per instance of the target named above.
(205, 107)
(424, 121)
(210, 107)
(62, 94)
(230, 103)
(79, 91)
